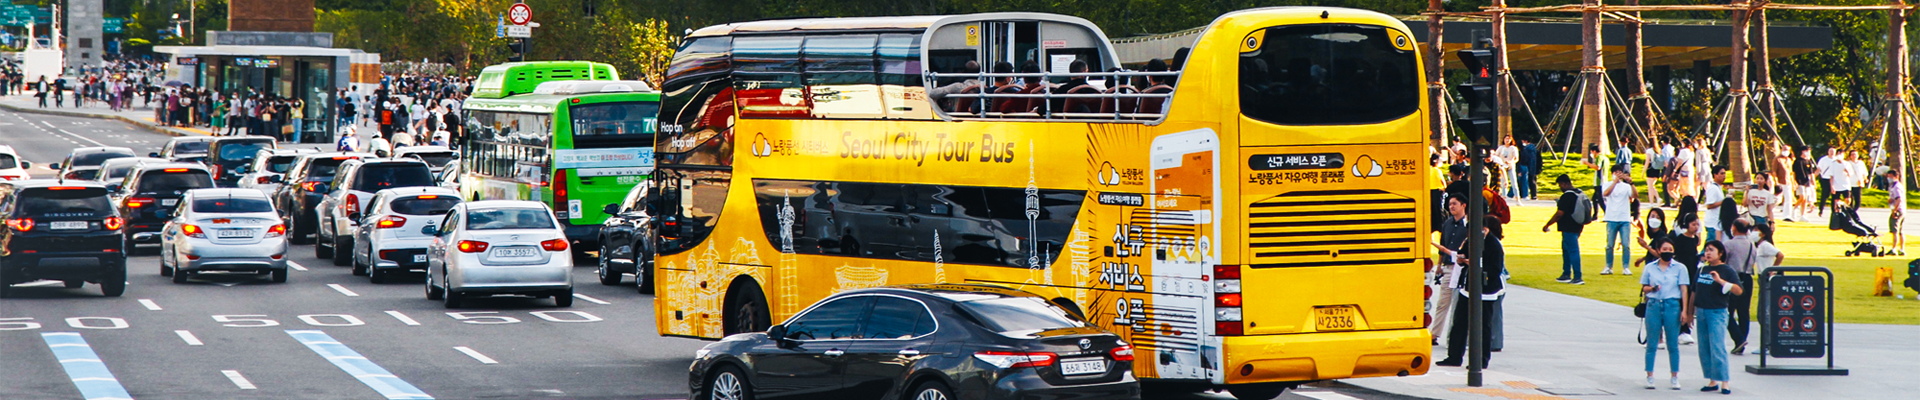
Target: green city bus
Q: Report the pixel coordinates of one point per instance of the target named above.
(600, 147)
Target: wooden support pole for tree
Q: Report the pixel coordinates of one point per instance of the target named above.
(1762, 72)
(1503, 89)
(1593, 74)
(1737, 152)
(1896, 134)
(1637, 78)
(1436, 76)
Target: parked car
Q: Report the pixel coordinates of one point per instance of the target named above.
(921, 342)
(265, 170)
(12, 168)
(231, 230)
(499, 247)
(90, 157)
(191, 149)
(626, 240)
(61, 230)
(303, 187)
(227, 154)
(114, 172)
(390, 241)
(153, 191)
(356, 183)
(436, 157)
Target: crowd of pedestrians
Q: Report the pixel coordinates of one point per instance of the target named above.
(405, 110)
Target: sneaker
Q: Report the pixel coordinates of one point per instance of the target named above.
(1740, 350)
(1676, 383)
(1577, 282)
(1649, 383)
(1563, 279)
(1608, 271)
(1686, 338)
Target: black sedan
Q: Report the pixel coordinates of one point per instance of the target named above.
(921, 342)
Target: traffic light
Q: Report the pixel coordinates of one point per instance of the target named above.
(517, 50)
(1478, 93)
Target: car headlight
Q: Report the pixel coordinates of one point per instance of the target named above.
(702, 354)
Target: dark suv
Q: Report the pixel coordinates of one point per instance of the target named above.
(153, 190)
(626, 240)
(302, 189)
(227, 155)
(61, 230)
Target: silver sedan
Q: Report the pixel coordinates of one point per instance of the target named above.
(499, 247)
(230, 230)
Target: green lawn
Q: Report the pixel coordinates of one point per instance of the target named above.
(1534, 261)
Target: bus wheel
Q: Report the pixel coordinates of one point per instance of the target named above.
(1256, 391)
(748, 312)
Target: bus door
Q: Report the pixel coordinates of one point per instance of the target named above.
(1178, 238)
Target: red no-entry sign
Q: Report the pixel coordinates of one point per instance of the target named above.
(520, 14)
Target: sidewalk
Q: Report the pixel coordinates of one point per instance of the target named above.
(138, 116)
(1566, 347)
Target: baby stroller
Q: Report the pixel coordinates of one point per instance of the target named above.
(1865, 238)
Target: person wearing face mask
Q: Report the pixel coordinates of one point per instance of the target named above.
(1738, 256)
(1712, 292)
(1685, 239)
(1655, 228)
(1664, 283)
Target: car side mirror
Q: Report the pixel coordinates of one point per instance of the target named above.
(26, 165)
(355, 216)
(430, 230)
(611, 209)
(154, 154)
(54, 166)
(778, 333)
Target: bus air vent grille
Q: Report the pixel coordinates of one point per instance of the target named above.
(1332, 228)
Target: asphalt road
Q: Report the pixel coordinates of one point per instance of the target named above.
(326, 334)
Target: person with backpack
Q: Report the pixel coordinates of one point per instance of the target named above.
(1619, 195)
(1572, 213)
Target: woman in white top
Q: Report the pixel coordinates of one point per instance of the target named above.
(1764, 253)
(1507, 156)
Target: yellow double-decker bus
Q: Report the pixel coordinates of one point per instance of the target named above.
(1250, 215)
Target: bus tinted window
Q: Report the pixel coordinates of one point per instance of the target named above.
(1328, 74)
(624, 124)
(698, 104)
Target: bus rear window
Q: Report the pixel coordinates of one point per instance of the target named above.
(1329, 74)
(625, 122)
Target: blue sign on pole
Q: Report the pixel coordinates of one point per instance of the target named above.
(500, 27)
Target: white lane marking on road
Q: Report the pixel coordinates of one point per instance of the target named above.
(95, 142)
(367, 372)
(237, 379)
(188, 337)
(590, 299)
(84, 367)
(1326, 395)
(296, 266)
(404, 319)
(343, 290)
(149, 304)
(40, 283)
(476, 355)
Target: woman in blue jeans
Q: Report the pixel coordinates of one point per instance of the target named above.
(1664, 282)
(1713, 291)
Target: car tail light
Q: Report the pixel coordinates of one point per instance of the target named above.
(554, 244)
(137, 202)
(560, 195)
(113, 223)
(1227, 301)
(1016, 359)
(20, 224)
(215, 170)
(343, 157)
(263, 180)
(277, 230)
(66, 188)
(389, 255)
(10, 177)
(175, 170)
(192, 257)
(353, 204)
(472, 246)
(428, 196)
(311, 186)
(193, 231)
(1124, 353)
(391, 221)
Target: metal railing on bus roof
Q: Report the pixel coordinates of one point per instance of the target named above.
(1045, 112)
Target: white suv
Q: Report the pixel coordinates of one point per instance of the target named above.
(13, 168)
(389, 241)
(353, 187)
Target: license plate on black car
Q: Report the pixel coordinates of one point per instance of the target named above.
(1083, 367)
(68, 225)
(419, 258)
(169, 202)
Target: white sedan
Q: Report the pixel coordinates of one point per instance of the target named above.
(389, 240)
(499, 247)
(229, 230)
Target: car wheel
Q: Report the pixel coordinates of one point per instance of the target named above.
(322, 249)
(643, 277)
(748, 313)
(6, 282)
(377, 275)
(74, 283)
(1256, 391)
(280, 275)
(115, 282)
(563, 298)
(727, 383)
(607, 276)
(434, 292)
(296, 232)
(343, 253)
(452, 298)
(932, 390)
(180, 276)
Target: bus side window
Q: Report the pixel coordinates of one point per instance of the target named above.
(767, 80)
(901, 88)
(697, 107)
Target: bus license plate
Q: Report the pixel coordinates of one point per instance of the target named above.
(1083, 367)
(69, 225)
(1333, 318)
(515, 253)
(235, 233)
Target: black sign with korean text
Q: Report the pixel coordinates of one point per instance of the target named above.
(1266, 162)
(1796, 312)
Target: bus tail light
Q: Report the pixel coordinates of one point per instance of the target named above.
(277, 230)
(472, 246)
(193, 231)
(391, 221)
(1426, 320)
(559, 185)
(1016, 359)
(1429, 262)
(1227, 301)
(554, 244)
(1429, 290)
(21, 224)
(113, 223)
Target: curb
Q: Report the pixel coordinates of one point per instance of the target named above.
(135, 122)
